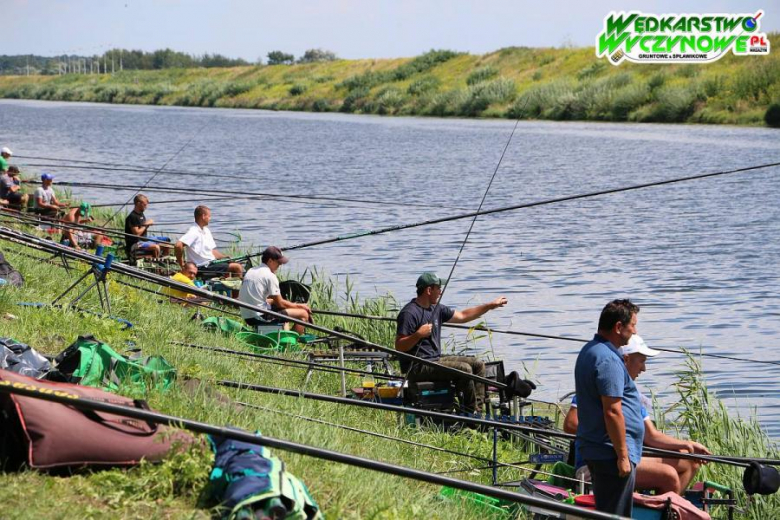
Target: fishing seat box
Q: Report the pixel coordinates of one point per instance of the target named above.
(430, 395)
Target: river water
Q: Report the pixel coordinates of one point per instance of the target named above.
(700, 258)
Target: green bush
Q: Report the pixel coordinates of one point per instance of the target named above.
(422, 63)
(482, 74)
(772, 116)
(388, 101)
(298, 89)
(424, 84)
(675, 105)
(355, 99)
(628, 99)
(536, 99)
(656, 80)
(482, 95)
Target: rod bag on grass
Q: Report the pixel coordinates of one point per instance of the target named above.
(91, 362)
(250, 483)
(46, 435)
(224, 325)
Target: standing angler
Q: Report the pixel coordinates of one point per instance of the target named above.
(610, 410)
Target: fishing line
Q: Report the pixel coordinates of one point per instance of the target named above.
(194, 135)
(159, 202)
(545, 202)
(66, 398)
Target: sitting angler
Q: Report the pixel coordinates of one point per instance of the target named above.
(45, 200)
(11, 189)
(80, 238)
(202, 250)
(261, 289)
(137, 227)
(659, 474)
(418, 333)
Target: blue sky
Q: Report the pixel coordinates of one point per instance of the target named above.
(350, 28)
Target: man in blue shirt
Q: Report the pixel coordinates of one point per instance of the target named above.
(610, 410)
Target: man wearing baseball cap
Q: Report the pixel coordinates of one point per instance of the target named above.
(46, 202)
(261, 289)
(659, 474)
(418, 332)
(11, 189)
(5, 154)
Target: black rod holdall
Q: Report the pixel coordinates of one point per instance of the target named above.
(762, 480)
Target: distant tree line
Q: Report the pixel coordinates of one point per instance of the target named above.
(123, 59)
(112, 61)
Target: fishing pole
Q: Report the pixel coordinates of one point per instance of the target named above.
(493, 211)
(138, 170)
(465, 419)
(160, 202)
(293, 363)
(242, 196)
(30, 220)
(484, 328)
(120, 268)
(493, 464)
(69, 399)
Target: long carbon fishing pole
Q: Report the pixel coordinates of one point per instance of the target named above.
(167, 282)
(161, 202)
(536, 335)
(244, 195)
(493, 211)
(66, 398)
(137, 170)
(294, 363)
(512, 427)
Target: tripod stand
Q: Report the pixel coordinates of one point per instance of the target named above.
(99, 272)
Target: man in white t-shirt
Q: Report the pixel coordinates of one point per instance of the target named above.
(202, 250)
(261, 289)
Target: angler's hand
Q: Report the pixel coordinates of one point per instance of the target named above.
(426, 330)
(498, 302)
(624, 466)
(695, 447)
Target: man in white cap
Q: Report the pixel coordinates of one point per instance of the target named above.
(5, 154)
(659, 474)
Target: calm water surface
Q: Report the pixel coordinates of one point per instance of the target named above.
(701, 258)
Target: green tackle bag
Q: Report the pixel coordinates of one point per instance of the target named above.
(224, 325)
(251, 483)
(90, 362)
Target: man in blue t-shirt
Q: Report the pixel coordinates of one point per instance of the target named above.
(418, 333)
(610, 410)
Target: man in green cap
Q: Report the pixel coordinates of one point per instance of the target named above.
(418, 333)
(79, 237)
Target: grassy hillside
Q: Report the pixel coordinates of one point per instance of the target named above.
(516, 82)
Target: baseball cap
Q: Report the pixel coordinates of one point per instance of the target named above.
(427, 279)
(6, 150)
(274, 253)
(47, 177)
(85, 210)
(636, 345)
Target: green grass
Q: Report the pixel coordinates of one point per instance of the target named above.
(539, 83)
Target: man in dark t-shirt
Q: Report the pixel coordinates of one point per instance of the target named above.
(136, 228)
(418, 333)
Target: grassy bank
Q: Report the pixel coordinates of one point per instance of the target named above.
(174, 489)
(515, 82)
